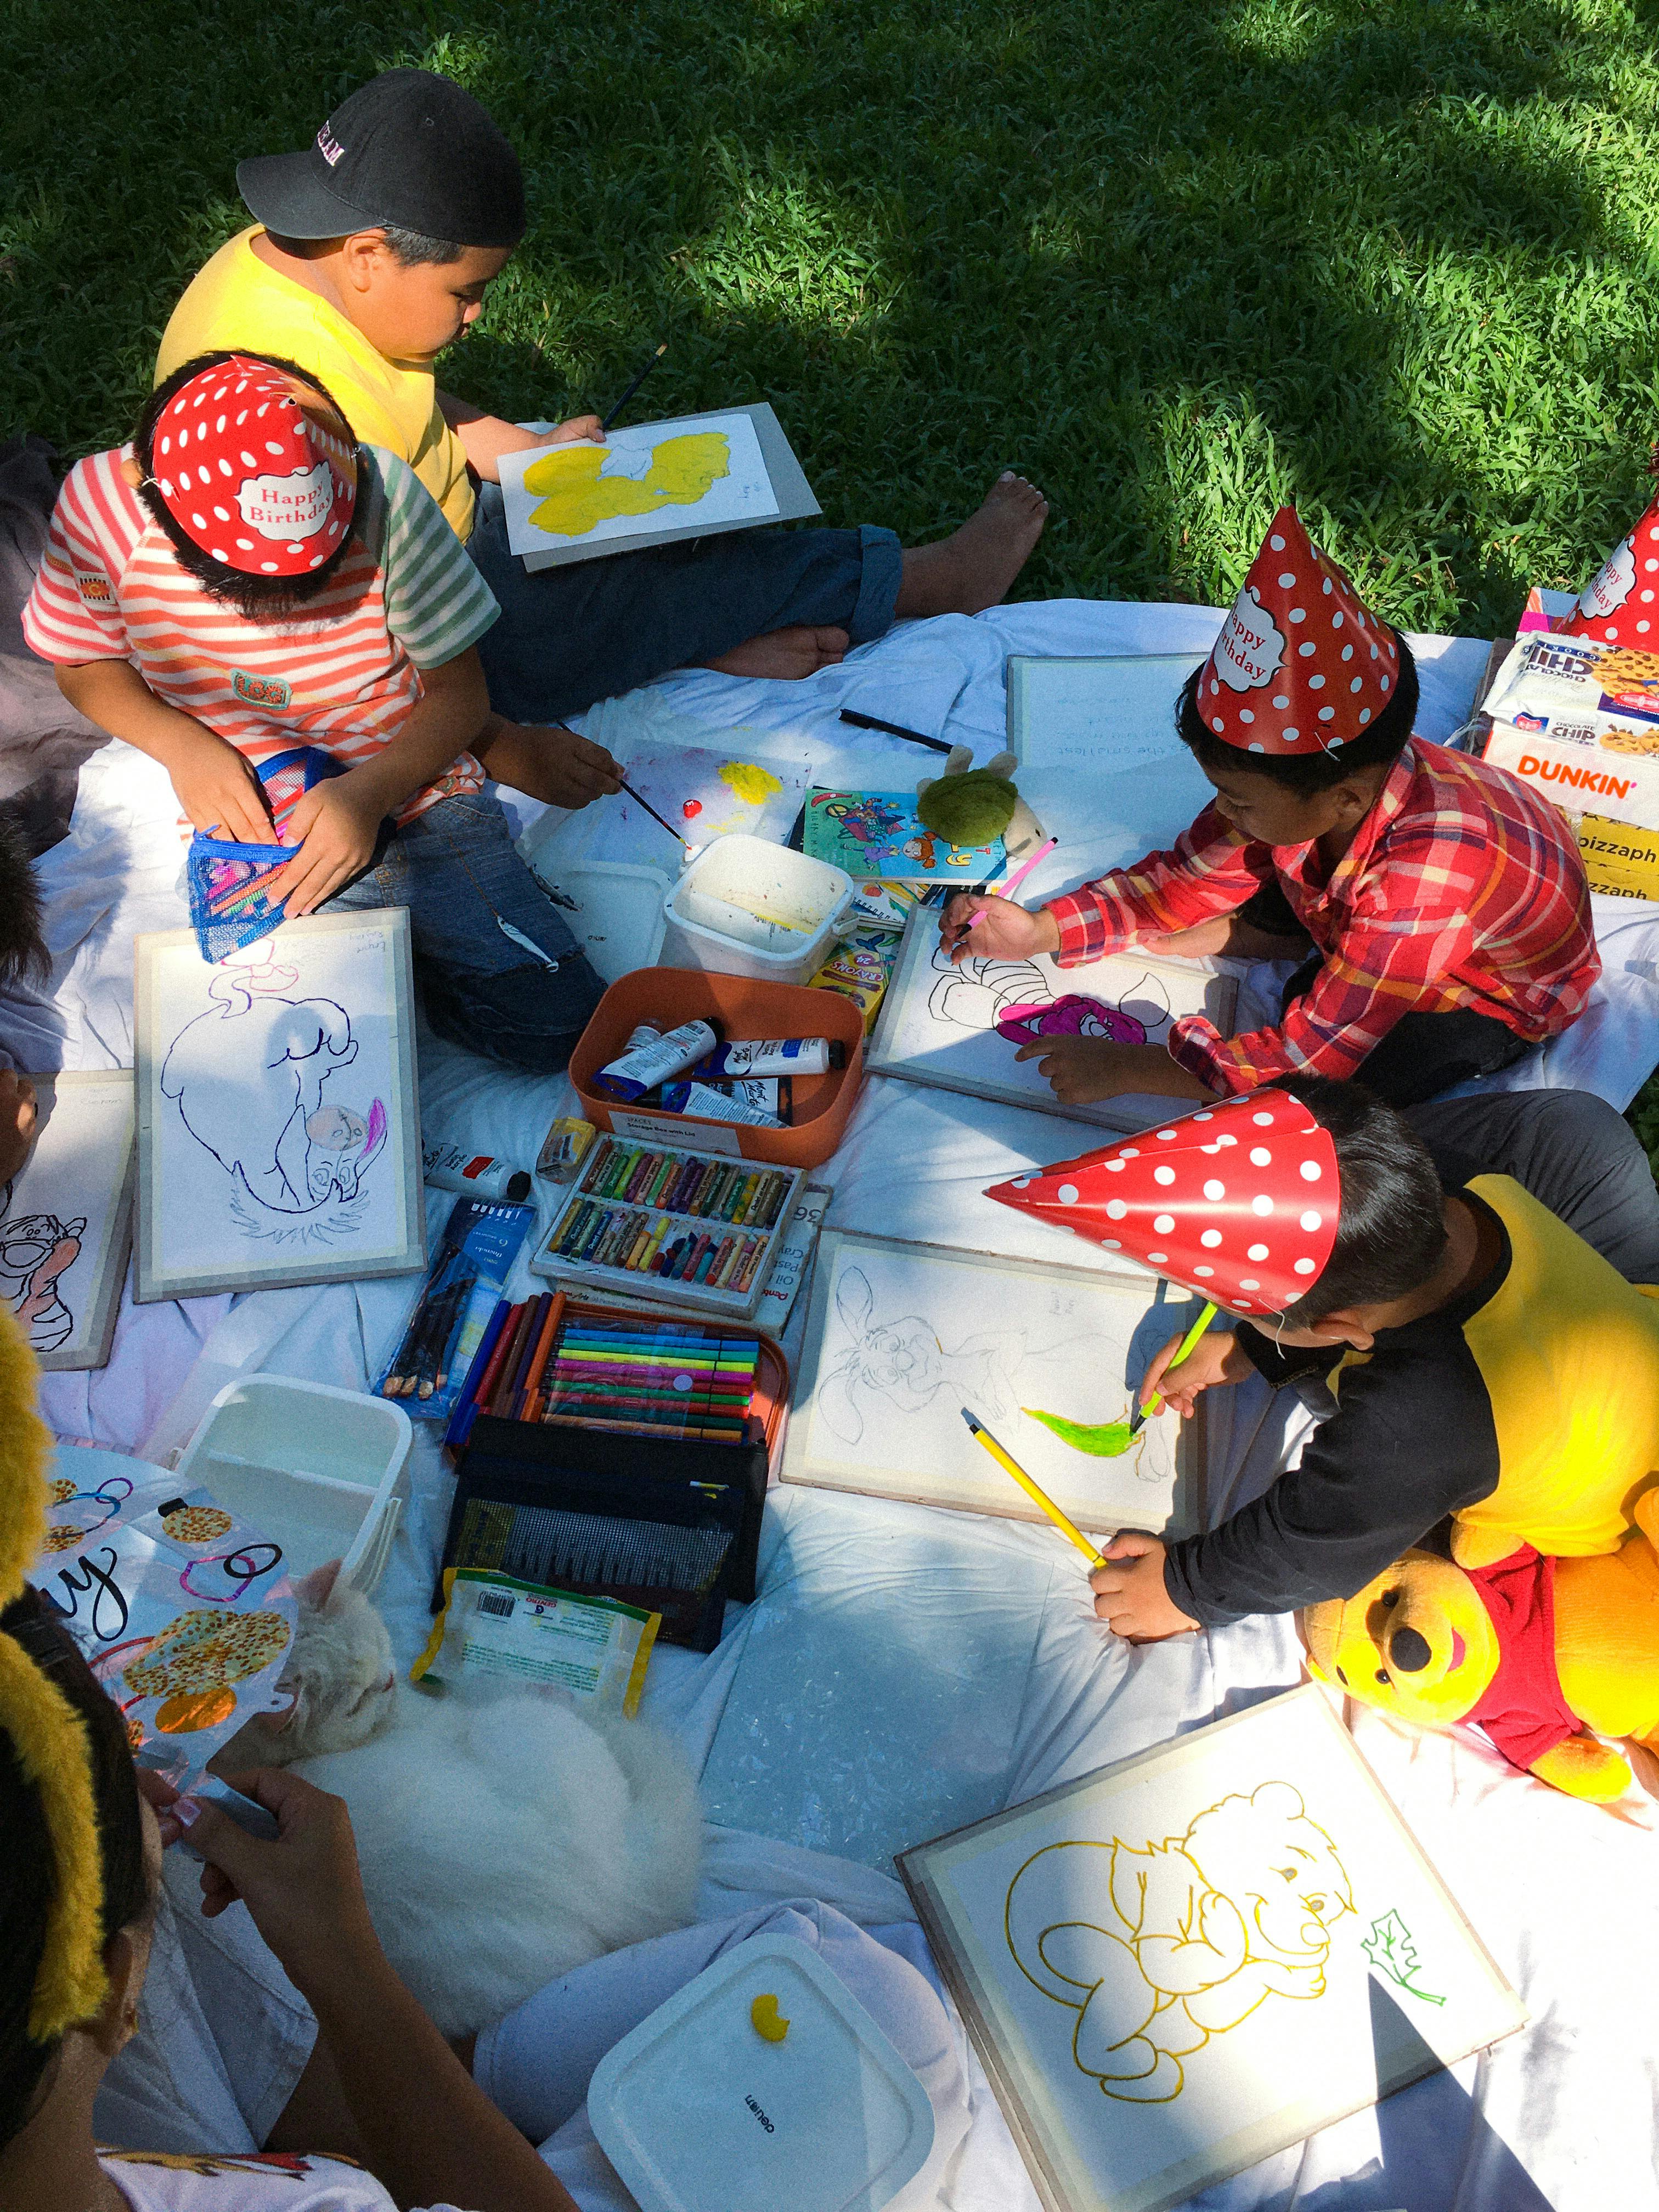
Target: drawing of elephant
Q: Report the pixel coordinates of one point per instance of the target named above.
(248, 1078)
(1158, 1949)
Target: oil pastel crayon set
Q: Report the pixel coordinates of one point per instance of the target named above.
(665, 1222)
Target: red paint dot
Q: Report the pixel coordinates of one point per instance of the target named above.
(691, 808)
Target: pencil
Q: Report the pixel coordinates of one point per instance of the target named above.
(618, 406)
(1090, 1552)
(894, 730)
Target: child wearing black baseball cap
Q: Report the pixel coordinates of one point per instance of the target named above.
(372, 250)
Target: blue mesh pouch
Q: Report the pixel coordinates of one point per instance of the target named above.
(229, 883)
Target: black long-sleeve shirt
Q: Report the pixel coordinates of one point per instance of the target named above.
(1529, 1406)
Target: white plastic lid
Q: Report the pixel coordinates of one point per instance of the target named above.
(699, 2111)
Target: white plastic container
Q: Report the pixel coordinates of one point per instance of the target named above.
(699, 2111)
(317, 1470)
(745, 906)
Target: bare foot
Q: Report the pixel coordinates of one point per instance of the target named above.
(784, 655)
(973, 567)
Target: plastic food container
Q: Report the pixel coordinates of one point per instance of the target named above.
(668, 996)
(698, 2111)
(746, 906)
(317, 1470)
(613, 910)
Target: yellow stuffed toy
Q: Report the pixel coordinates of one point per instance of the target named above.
(1544, 1655)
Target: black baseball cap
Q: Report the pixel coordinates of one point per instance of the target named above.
(409, 147)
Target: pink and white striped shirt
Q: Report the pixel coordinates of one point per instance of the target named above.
(341, 677)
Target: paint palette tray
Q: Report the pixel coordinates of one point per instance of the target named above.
(669, 1224)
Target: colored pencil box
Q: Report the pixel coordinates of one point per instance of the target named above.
(670, 1524)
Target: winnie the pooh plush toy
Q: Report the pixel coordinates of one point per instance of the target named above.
(1544, 1655)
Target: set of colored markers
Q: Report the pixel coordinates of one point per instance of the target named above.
(674, 1224)
(606, 1373)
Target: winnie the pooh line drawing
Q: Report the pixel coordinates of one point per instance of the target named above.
(1183, 1938)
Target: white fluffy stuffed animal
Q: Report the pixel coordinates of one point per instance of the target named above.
(505, 1836)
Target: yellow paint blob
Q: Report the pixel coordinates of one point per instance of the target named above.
(749, 782)
(578, 498)
(768, 2022)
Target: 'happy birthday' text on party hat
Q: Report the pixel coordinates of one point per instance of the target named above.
(1239, 1202)
(1302, 664)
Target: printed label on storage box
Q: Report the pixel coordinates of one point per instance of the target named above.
(666, 1128)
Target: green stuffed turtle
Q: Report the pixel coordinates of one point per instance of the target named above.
(971, 806)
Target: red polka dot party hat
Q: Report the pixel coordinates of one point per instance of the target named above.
(1619, 606)
(1237, 1202)
(256, 467)
(1302, 664)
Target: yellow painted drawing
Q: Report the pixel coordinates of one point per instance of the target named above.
(578, 498)
(1180, 1939)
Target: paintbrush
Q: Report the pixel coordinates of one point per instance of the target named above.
(634, 386)
(652, 812)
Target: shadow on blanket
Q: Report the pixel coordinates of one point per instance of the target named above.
(1438, 2150)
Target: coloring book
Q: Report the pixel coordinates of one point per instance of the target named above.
(880, 834)
(1176, 1966)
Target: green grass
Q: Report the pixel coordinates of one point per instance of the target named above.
(1392, 260)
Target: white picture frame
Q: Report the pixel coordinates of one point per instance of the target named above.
(1133, 2075)
(920, 1331)
(258, 1167)
(66, 1217)
(939, 1022)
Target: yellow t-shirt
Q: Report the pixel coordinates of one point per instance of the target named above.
(237, 301)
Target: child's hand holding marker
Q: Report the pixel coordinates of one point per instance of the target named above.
(1215, 1358)
(1130, 1594)
(974, 927)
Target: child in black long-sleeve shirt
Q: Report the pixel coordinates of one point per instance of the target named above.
(1484, 1360)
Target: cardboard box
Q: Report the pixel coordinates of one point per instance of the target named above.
(1619, 859)
(1577, 776)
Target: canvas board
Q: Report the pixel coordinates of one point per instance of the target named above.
(653, 485)
(899, 1338)
(1158, 2003)
(66, 1219)
(961, 1026)
(278, 1129)
(1102, 713)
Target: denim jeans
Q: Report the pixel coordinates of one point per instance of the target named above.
(571, 635)
(455, 871)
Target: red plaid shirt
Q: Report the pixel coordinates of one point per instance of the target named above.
(1462, 888)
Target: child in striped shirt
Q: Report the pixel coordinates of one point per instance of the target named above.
(246, 578)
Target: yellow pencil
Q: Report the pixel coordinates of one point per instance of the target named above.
(1090, 1552)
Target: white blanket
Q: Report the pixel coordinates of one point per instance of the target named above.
(904, 1671)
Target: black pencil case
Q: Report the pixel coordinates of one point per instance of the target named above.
(587, 1476)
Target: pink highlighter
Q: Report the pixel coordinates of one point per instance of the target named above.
(1007, 889)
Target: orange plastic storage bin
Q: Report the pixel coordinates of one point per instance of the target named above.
(744, 1008)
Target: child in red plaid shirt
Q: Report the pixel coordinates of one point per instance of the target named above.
(1446, 904)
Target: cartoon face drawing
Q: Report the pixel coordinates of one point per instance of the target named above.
(1072, 1015)
(37, 1250)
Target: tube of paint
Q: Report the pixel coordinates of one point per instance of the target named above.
(771, 1094)
(746, 1056)
(640, 1067)
(716, 1105)
(475, 1174)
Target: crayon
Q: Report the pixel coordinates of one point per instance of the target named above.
(712, 1252)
